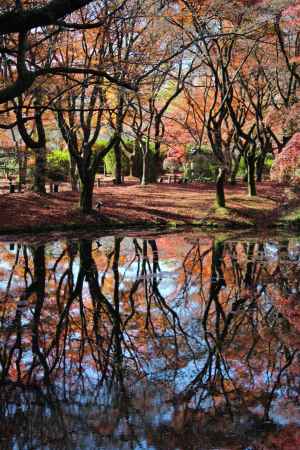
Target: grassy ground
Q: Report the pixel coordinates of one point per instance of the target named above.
(152, 205)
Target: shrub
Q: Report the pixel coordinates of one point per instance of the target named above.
(110, 161)
(187, 172)
(242, 172)
(171, 165)
(58, 164)
(154, 166)
(203, 164)
(269, 163)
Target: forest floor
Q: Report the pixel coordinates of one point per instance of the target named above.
(152, 205)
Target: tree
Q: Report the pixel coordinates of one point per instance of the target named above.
(80, 131)
(23, 20)
(128, 50)
(38, 144)
(286, 166)
(19, 20)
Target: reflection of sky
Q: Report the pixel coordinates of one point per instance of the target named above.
(5, 266)
(271, 251)
(281, 415)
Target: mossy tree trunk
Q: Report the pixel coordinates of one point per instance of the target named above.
(86, 194)
(220, 194)
(37, 145)
(119, 130)
(73, 174)
(157, 166)
(144, 179)
(235, 170)
(251, 174)
(39, 177)
(131, 166)
(22, 159)
(118, 158)
(260, 165)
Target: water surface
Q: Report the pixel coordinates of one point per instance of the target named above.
(180, 341)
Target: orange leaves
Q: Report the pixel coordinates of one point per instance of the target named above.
(287, 162)
(291, 15)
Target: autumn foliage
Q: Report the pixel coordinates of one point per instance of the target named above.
(286, 167)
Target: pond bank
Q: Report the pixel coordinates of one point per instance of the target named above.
(155, 205)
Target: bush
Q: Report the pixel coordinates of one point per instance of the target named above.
(154, 166)
(203, 165)
(269, 163)
(171, 165)
(58, 165)
(9, 167)
(110, 161)
(187, 172)
(269, 160)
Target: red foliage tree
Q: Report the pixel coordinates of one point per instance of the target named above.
(287, 162)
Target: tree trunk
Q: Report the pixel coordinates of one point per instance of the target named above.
(22, 159)
(144, 180)
(245, 176)
(157, 165)
(118, 166)
(73, 175)
(251, 175)
(86, 195)
(235, 170)
(131, 166)
(260, 165)
(220, 194)
(39, 170)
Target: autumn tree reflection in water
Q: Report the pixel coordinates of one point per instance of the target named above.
(178, 341)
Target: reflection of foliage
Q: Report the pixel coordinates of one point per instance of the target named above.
(87, 327)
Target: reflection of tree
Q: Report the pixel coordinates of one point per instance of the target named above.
(92, 341)
(233, 314)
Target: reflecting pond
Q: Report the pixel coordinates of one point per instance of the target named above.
(176, 341)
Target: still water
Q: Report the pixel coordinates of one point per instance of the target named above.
(179, 341)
